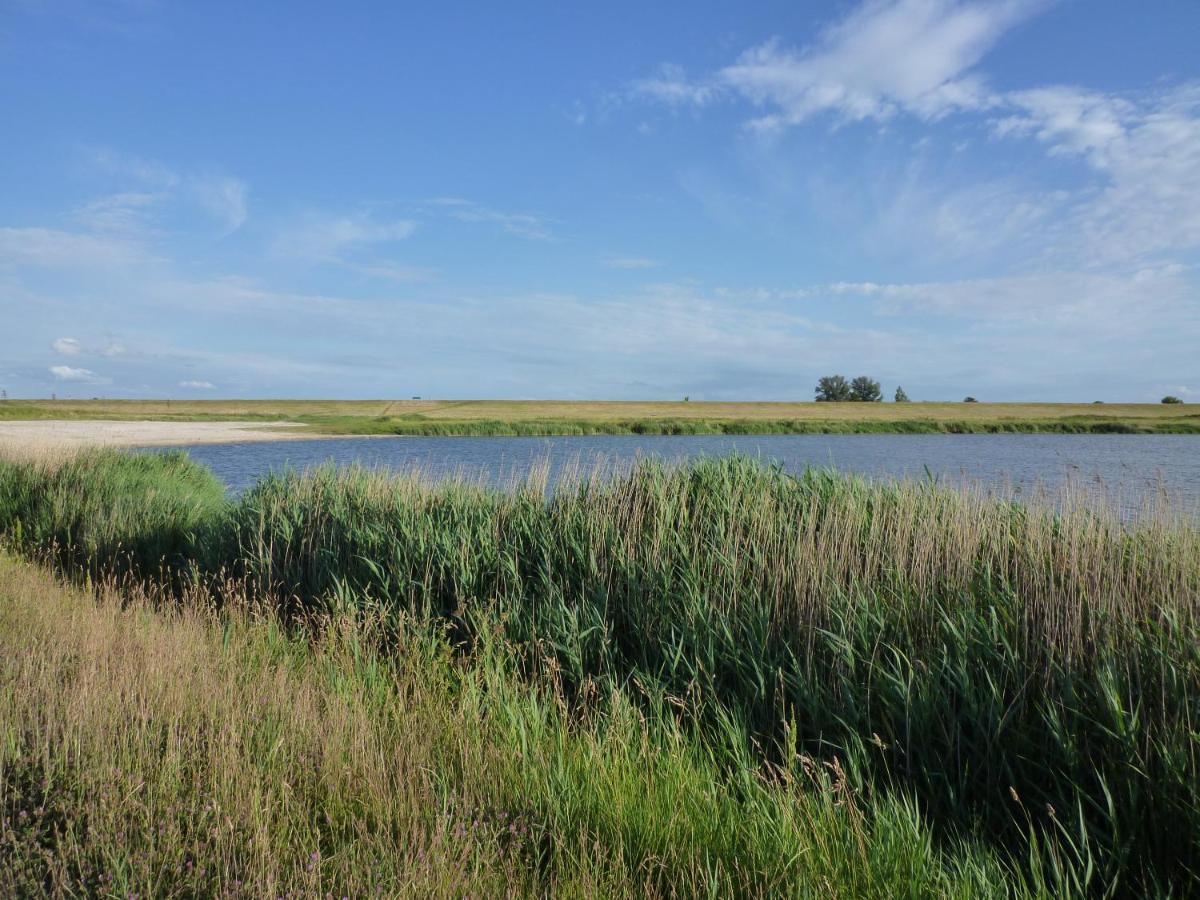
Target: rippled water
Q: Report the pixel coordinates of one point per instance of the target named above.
(1125, 468)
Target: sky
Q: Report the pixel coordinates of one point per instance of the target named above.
(995, 198)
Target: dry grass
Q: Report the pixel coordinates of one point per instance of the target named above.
(146, 753)
(154, 751)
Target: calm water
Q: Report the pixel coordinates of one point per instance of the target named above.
(1124, 468)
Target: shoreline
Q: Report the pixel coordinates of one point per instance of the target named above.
(34, 436)
(49, 435)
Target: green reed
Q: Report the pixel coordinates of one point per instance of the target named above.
(1028, 675)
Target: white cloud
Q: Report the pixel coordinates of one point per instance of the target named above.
(67, 346)
(886, 56)
(1147, 150)
(1071, 304)
(145, 171)
(114, 349)
(919, 57)
(671, 86)
(327, 238)
(220, 196)
(393, 272)
(521, 224)
(198, 385)
(69, 373)
(51, 248)
(124, 213)
(630, 262)
(224, 198)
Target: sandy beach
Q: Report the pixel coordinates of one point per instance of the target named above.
(49, 435)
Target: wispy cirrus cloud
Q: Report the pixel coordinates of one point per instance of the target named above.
(886, 56)
(1146, 149)
(222, 198)
(922, 58)
(328, 238)
(125, 213)
(630, 262)
(670, 85)
(521, 224)
(54, 248)
(1069, 302)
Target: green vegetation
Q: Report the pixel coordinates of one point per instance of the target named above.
(833, 389)
(1169, 399)
(183, 752)
(495, 427)
(836, 389)
(1014, 687)
(500, 417)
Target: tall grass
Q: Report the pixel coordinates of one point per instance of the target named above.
(183, 752)
(1029, 676)
(104, 512)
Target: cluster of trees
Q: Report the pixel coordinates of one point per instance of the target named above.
(863, 389)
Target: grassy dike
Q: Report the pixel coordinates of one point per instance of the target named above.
(546, 417)
(711, 679)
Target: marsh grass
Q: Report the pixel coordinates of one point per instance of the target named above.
(181, 751)
(1026, 676)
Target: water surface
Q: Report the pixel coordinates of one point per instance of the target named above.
(1126, 469)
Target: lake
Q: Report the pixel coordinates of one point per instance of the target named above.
(1126, 469)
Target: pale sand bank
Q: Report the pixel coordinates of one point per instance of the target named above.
(38, 436)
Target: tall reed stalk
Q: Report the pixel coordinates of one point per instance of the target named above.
(1021, 671)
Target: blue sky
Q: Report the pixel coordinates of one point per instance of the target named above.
(600, 201)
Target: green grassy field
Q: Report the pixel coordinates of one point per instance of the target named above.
(710, 680)
(498, 417)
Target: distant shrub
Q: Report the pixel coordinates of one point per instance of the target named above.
(1171, 399)
(970, 400)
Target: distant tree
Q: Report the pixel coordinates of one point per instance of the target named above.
(833, 389)
(901, 397)
(970, 400)
(686, 398)
(865, 390)
(1170, 399)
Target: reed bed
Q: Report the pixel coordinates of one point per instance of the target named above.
(178, 751)
(1028, 676)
